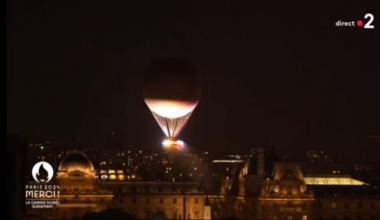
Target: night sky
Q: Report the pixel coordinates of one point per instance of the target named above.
(272, 74)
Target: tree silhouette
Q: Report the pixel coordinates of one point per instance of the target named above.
(110, 213)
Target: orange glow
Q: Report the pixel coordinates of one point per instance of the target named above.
(112, 176)
(173, 143)
(170, 109)
(121, 177)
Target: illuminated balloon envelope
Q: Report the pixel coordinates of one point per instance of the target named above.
(172, 116)
(171, 91)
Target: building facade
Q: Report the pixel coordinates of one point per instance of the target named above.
(261, 189)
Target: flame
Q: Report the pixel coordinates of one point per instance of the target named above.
(173, 143)
(42, 174)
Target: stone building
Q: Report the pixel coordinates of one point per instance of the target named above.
(82, 192)
(267, 189)
(262, 189)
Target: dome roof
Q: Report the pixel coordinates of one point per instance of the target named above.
(75, 161)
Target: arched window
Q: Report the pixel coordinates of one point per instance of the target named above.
(289, 190)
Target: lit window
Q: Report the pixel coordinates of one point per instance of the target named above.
(333, 205)
(121, 177)
(304, 217)
(112, 176)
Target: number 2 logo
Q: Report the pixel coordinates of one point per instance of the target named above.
(369, 24)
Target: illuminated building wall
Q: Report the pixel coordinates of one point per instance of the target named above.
(246, 193)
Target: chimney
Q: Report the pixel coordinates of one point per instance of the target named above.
(260, 161)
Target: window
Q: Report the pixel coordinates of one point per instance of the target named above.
(289, 217)
(333, 205)
(289, 190)
(175, 200)
(161, 200)
(147, 201)
(304, 217)
(175, 213)
(196, 201)
(196, 215)
(359, 205)
(215, 215)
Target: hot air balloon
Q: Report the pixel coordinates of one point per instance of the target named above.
(171, 91)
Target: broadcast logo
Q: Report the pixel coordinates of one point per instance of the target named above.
(41, 193)
(367, 23)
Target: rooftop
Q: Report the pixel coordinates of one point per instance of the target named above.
(332, 180)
